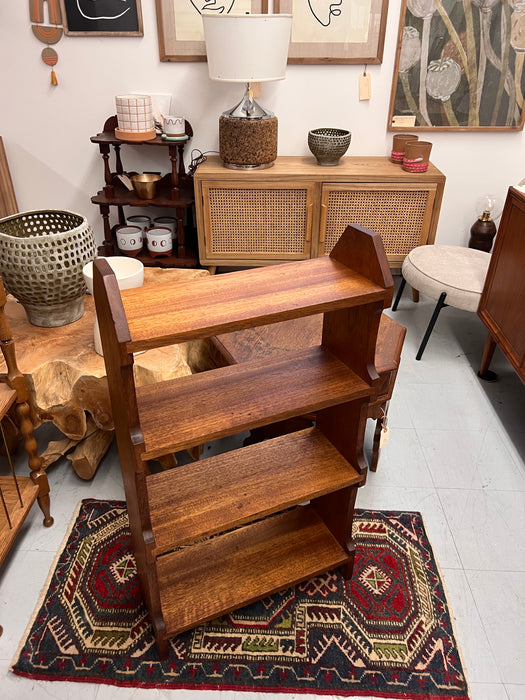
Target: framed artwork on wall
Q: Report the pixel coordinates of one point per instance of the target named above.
(459, 66)
(344, 31)
(179, 25)
(102, 17)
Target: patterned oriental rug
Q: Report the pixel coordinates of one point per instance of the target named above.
(386, 633)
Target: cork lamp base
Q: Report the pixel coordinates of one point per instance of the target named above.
(247, 143)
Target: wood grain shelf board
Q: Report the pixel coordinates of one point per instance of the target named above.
(17, 512)
(243, 566)
(217, 304)
(305, 465)
(7, 395)
(232, 399)
(299, 169)
(163, 198)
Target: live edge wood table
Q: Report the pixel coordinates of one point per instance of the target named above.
(266, 341)
(68, 378)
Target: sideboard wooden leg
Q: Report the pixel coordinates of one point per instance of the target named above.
(484, 372)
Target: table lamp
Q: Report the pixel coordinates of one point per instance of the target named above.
(247, 49)
(484, 229)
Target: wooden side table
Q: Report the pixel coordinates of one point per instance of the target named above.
(265, 341)
(174, 191)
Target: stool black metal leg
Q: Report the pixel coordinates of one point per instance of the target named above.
(440, 304)
(399, 293)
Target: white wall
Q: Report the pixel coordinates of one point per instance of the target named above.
(53, 164)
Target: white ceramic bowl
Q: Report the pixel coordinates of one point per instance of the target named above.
(129, 273)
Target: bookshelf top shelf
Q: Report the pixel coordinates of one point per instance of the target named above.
(175, 313)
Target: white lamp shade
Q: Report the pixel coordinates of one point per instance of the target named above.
(247, 48)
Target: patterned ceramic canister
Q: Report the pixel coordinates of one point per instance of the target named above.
(174, 126)
(129, 239)
(417, 156)
(159, 241)
(398, 146)
(135, 118)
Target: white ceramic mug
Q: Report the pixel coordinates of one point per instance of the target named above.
(129, 273)
(173, 126)
(129, 239)
(141, 220)
(159, 241)
(167, 221)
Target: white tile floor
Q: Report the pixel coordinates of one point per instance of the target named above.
(456, 453)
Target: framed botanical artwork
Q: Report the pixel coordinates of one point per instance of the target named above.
(179, 25)
(102, 17)
(459, 66)
(344, 31)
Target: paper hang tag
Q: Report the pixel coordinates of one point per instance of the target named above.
(404, 120)
(385, 430)
(126, 182)
(365, 86)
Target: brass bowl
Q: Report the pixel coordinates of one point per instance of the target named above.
(145, 184)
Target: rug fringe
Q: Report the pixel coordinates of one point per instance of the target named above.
(46, 585)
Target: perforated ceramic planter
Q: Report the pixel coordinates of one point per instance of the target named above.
(42, 254)
(328, 145)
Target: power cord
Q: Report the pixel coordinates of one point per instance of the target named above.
(197, 157)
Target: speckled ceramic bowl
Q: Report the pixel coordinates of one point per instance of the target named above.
(328, 145)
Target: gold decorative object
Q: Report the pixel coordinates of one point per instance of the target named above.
(145, 184)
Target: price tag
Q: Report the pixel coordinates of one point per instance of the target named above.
(405, 120)
(385, 436)
(126, 182)
(365, 86)
(385, 431)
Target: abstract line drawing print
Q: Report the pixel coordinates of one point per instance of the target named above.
(321, 21)
(97, 8)
(317, 7)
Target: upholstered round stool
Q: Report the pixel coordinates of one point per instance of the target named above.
(452, 275)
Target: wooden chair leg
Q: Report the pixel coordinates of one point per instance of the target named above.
(18, 383)
(484, 372)
(38, 475)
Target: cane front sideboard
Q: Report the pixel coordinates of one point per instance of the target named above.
(297, 209)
